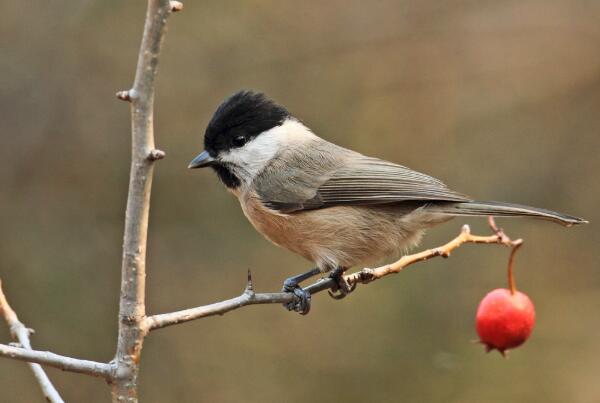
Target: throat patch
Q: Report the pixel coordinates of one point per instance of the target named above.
(227, 176)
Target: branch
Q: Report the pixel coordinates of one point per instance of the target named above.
(20, 333)
(34, 357)
(132, 311)
(65, 363)
(122, 372)
(364, 276)
(248, 297)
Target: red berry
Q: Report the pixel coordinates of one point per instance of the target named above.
(504, 320)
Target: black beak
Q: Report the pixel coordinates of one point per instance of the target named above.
(202, 160)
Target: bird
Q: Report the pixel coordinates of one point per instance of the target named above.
(333, 206)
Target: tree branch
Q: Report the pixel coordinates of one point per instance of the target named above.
(35, 357)
(20, 333)
(248, 297)
(364, 276)
(132, 311)
(65, 363)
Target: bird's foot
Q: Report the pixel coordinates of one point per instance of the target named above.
(301, 298)
(342, 288)
(301, 301)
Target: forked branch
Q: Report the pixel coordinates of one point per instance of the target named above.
(132, 311)
(20, 333)
(25, 353)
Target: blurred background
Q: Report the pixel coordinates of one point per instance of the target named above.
(500, 100)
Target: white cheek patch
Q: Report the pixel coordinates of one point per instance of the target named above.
(255, 155)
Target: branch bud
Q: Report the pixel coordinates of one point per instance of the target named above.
(176, 6)
(124, 96)
(156, 155)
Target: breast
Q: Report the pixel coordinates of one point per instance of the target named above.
(284, 230)
(338, 236)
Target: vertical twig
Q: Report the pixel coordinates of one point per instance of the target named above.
(21, 333)
(132, 310)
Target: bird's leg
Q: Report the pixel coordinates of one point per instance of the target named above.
(342, 288)
(301, 301)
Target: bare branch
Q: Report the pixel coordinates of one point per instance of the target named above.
(65, 363)
(219, 308)
(368, 275)
(248, 297)
(20, 333)
(34, 357)
(132, 311)
(122, 372)
(364, 276)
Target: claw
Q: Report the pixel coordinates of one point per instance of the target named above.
(352, 288)
(301, 301)
(337, 295)
(342, 287)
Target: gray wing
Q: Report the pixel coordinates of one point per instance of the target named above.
(323, 179)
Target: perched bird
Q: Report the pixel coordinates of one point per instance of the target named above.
(333, 206)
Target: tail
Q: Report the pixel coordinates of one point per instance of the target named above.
(491, 208)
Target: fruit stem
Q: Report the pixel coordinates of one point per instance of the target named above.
(511, 277)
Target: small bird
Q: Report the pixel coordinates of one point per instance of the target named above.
(333, 206)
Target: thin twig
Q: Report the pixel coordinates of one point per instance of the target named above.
(65, 363)
(218, 308)
(132, 311)
(364, 276)
(20, 333)
(368, 275)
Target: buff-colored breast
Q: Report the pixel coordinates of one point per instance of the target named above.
(344, 235)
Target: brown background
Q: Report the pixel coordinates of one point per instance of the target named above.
(499, 99)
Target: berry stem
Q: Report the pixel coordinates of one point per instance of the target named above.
(511, 260)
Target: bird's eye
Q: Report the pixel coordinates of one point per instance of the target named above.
(239, 141)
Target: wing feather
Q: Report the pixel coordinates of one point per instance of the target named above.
(370, 179)
(344, 177)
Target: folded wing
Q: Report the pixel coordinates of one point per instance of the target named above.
(345, 179)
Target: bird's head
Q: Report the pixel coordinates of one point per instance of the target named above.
(245, 133)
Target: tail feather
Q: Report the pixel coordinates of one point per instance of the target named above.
(492, 208)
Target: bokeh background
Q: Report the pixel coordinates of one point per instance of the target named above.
(499, 99)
